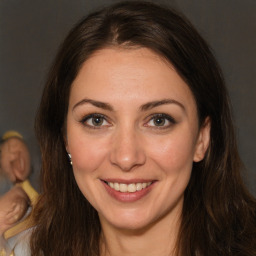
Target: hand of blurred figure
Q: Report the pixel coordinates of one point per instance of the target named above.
(13, 207)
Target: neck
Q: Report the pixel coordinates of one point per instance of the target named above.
(158, 238)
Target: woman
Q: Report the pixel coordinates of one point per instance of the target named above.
(138, 148)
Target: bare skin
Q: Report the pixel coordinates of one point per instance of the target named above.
(14, 165)
(15, 160)
(132, 121)
(14, 205)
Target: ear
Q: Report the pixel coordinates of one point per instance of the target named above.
(202, 140)
(65, 137)
(66, 143)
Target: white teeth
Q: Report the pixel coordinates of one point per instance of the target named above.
(123, 187)
(132, 187)
(138, 186)
(116, 186)
(144, 185)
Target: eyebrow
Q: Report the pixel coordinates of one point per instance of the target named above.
(157, 103)
(144, 107)
(95, 103)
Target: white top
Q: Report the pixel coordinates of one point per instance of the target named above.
(20, 243)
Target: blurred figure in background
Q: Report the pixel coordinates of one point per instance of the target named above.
(15, 204)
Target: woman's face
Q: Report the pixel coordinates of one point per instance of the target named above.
(132, 132)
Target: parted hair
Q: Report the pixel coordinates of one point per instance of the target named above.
(218, 215)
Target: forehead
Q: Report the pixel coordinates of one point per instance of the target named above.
(127, 74)
(11, 143)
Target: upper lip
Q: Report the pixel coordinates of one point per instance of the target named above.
(130, 181)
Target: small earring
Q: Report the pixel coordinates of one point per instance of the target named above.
(70, 159)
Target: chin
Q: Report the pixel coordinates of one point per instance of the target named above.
(128, 220)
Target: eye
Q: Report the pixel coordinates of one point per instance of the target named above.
(95, 121)
(161, 121)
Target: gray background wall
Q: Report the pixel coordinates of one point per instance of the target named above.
(31, 30)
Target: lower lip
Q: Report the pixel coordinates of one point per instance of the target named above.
(128, 197)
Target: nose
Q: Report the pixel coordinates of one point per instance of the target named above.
(127, 150)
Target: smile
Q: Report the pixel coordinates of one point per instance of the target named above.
(130, 188)
(128, 191)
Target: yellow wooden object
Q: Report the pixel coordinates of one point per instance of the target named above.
(3, 253)
(10, 134)
(28, 221)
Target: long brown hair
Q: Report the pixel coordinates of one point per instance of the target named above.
(219, 213)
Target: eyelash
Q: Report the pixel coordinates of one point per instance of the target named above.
(152, 117)
(91, 116)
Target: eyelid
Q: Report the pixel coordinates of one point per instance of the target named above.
(169, 118)
(94, 115)
(87, 116)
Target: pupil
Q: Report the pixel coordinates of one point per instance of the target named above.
(97, 121)
(159, 121)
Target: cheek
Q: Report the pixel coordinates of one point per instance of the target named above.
(87, 153)
(173, 153)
